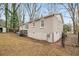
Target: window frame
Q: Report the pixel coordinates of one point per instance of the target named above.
(42, 23)
(33, 24)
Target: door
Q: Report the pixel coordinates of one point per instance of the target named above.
(52, 37)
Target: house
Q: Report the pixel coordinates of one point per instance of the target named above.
(2, 26)
(48, 28)
(23, 28)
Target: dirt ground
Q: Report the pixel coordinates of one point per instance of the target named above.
(13, 45)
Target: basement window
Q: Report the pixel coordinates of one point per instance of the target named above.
(48, 35)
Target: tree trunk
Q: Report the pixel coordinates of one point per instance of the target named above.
(78, 38)
(73, 19)
(6, 15)
(74, 30)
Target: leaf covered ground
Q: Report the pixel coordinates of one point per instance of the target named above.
(13, 45)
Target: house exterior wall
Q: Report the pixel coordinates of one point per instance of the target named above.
(23, 27)
(2, 25)
(48, 32)
(4, 29)
(40, 33)
(58, 28)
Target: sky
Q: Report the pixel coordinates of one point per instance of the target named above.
(44, 12)
(64, 13)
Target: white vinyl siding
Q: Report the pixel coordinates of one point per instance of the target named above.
(48, 29)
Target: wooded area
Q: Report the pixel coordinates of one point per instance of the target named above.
(15, 13)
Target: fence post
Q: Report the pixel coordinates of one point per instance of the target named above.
(78, 38)
(63, 40)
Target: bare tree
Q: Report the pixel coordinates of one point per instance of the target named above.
(14, 23)
(6, 14)
(32, 10)
(1, 8)
(77, 14)
(23, 13)
(52, 7)
(71, 9)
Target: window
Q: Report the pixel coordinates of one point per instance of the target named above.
(33, 24)
(42, 23)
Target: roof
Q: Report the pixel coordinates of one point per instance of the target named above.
(21, 24)
(47, 17)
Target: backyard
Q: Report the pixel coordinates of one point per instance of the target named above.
(11, 44)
